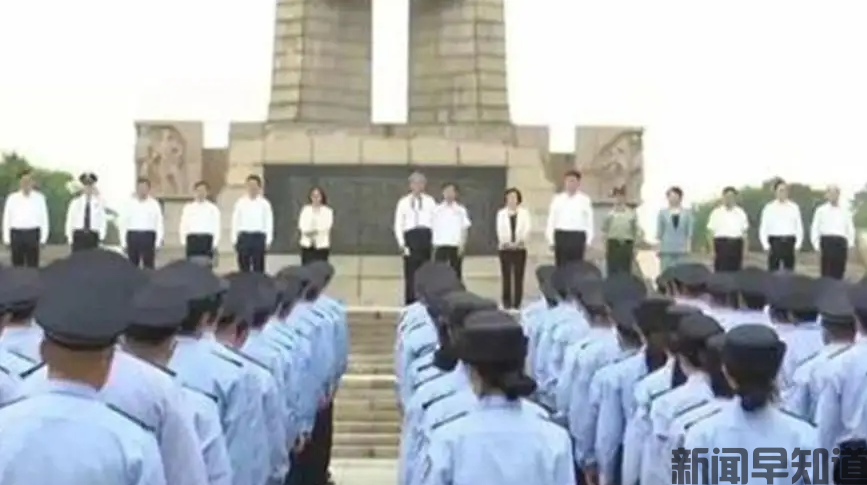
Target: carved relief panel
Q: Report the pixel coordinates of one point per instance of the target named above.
(610, 157)
(170, 156)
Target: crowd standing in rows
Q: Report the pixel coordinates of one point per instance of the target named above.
(111, 374)
(603, 382)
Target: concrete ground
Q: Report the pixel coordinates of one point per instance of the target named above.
(364, 471)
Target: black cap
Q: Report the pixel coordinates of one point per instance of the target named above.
(433, 273)
(458, 305)
(159, 305)
(691, 274)
(676, 312)
(694, 330)
(198, 282)
(240, 298)
(858, 297)
(623, 287)
(439, 282)
(666, 277)
(722, 283)
(755, 347)
(490, 337)
(19, 288)
(624, 318)
(592, 295)
(289, 286)
(752, 280)
(544, 273)
(650, 314)
(792, 292)
(87, 178)
(834, 305)
(322, 271)
(87, 299)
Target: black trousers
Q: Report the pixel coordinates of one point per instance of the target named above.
(309, 255)
(199, 245)
(310, 467)
(619, 254)
(250, 249)
(569, 247)
(141, 248)
(83, 240)
(782, 253)
(513, 264)
(450, 255)
(24, 247)
(834, 255)
(728, 254)
(419, 243)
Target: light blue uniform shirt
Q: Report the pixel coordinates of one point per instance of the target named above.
(572, 361)
(809, 379)
(197, 365)
(64, 435)
(568, 324)
(803, 341)
(10, 382)
(743, 317)
(206, 416)
(288, 334)
(278, 362)
(151, 395)
(682, 422)
(15, 364)
(23, 341)
(840, 411)
(498, 443)
(732, 427)
(638, 428)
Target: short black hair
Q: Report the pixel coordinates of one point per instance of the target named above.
(201, 183)
(254, 178)
(322, 194)
(514, 190)
(143, 180)
(730, 190)
(675, 190)
(453, 185)
(778, 182)
(25, 172)
(572, 173)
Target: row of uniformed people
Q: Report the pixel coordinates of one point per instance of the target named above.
(174, 376)
(628, 401)
(464, 394)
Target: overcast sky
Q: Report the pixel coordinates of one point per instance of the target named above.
(731, 91)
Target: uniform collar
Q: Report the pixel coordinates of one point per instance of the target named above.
(496, 401)
(71, 388)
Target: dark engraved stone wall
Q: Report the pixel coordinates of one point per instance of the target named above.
(364, 198)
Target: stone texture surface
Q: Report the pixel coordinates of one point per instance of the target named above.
(457, 62)
(169, 154)
(322, 57)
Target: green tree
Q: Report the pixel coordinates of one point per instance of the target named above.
(859, 208)
(54, 185)
(753, 199)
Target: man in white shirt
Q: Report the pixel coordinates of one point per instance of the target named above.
(141, 226)
(413, 220)
(86, 219)
(833, 234)
(727, 226)
(25, 222)
(451, 223)
(252, 227)
(781, 229)
(570, 221)
(199, 228)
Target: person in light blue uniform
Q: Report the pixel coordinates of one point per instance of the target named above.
(722, 296)
(839, 332)
(157, 311)
(502, 441)
(751, 358)
(617, 386)
(792, 300)
(535, 314)
(198, 365)
(698, 358)
(648, 389)
(689, 285)
(62, 433)
(752, 285)
(840, 411)
(593, 369)
(229, 334)
(441, 378)
(414, 316)
(20, 340)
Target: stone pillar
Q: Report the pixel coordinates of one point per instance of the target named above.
(457, 62)
(322, 57)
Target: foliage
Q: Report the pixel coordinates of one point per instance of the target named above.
(753, 199)
(52, 183)
(859, 208)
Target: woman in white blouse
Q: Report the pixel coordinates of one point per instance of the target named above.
(315, 223)
(513, 230)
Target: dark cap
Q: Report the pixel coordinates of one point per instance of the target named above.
(159, 305)
(623, 287)
(592, 295)
(321, 271)
(458, 305)
(722, 283)
(834, 305)
(19, 287)
(691, 274)
(624, 318)
(694, 330)
(433, 271)
(858, 297)
(650, 314)
(87, 178)
(197, 282)
(752, 280)
(544, 273)
(755, 347)
(792, 292)
(86, 299)
(239, 300)
(439, 282)
(490, 337)
(676, 312)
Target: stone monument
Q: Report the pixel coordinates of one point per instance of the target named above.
(319, 132)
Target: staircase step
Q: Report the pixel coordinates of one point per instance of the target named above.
(366, 427)
(366, 382)
(376, 368)
(366, 439)
(363, 451)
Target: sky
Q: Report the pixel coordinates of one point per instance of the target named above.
(730, 92)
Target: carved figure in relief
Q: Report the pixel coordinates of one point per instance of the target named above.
(617, 163)
(160, 157)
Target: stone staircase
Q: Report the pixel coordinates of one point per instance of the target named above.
(366, 418)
